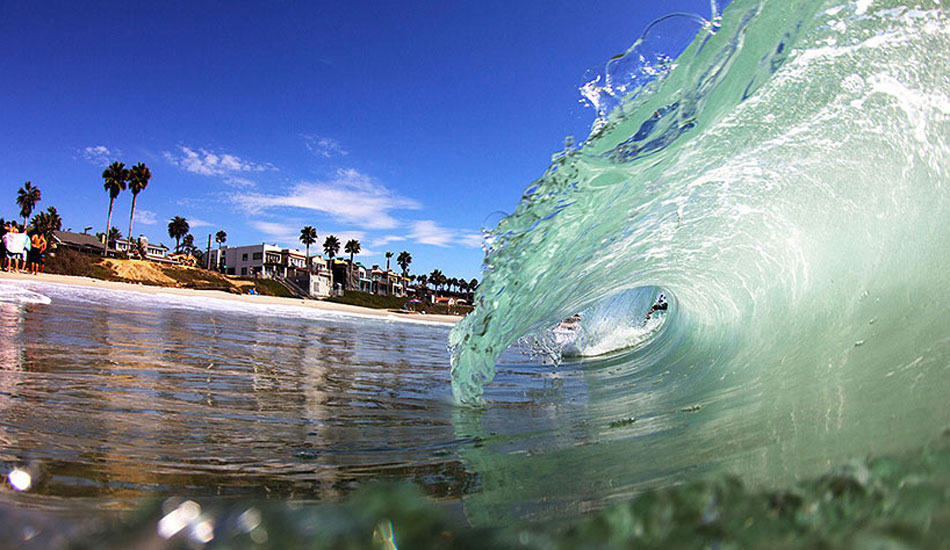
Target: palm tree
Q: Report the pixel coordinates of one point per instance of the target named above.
(220, 237)
(177, 228)
(138, 181)
(188, 243)
(331, 246)
(352, 247)
(388, 256)
(112, 237)
(115, 177)
(404, 259)
(436, 278)
(423, 280)
(47, 222)
(308, 236)
(26, 199)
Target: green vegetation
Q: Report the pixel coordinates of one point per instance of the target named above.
(365, 299)
(26, 199)
(331, 246)
(352, 247)
(138, 181)
(47, 222)
(270, 287)
(404, 259)
(70, 262)
(177, 228)
(308, 236)
(115, 176)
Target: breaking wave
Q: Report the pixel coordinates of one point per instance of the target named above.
(781, 174)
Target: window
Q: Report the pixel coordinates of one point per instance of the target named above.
(230, 271)
(244, 257)
(257, 256)
(244, 269)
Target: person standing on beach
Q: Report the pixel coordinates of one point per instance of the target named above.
(3, 247)
(37, 253)
(16, 244)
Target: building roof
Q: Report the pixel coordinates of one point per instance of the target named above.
(79, 240)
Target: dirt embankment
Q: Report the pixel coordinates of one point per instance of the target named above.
(151, 273)
(139, 271)
(69, 262)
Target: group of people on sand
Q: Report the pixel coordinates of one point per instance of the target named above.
(22, 250)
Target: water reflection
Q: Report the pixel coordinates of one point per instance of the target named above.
(115, 399)
(127, 399)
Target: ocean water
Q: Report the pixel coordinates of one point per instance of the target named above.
(778, 171)
(786, 182)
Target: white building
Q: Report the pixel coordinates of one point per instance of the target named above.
(274, 262)
(154, 252)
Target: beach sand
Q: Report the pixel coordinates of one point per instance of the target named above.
(271, 300)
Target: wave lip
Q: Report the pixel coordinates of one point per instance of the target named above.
(772, 173)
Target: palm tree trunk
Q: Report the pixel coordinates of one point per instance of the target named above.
(105, 241)
(131, 217)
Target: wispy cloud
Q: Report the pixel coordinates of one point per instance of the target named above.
(100, 155)
(383, 241)
(276, 231)
(430, 232)
(470, 240)
(350, 197)
(146, 216)
(211, 163)
(195, 222)
(234, 181)
(323, 146)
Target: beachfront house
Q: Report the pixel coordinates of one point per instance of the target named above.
(316, 280)
(273, 262)
(387, 283)
(153, 252)
(353, 276)
(81, 242)
(257, 260)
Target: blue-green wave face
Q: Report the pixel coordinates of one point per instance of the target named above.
(782, 173)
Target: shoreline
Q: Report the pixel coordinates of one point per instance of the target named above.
(356, 311)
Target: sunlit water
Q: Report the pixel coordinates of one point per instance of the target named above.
(122, 395)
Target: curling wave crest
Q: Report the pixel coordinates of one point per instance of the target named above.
(784, 175)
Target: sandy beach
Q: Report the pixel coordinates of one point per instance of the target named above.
(271, 300)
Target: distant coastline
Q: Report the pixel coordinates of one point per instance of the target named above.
(217, 294)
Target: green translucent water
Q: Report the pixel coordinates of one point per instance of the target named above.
(787, 183)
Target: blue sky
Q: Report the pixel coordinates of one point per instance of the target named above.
(404, 125)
